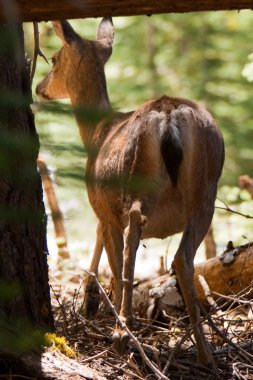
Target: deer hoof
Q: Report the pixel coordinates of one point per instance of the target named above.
(91, 300)
(120, 340)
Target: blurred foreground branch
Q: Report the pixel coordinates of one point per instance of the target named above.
(57, 217)
(37, 49)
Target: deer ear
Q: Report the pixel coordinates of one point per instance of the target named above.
(105, 33)
(65, 32)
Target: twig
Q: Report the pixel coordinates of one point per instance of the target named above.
(127, 372)
(224, 350)
(151, 322)
(95, 336)
(236, 373)
(208, 293)
(86, 323)
(235, 299)
(225, 305)
(37, 51)
(175, 349)
(131, 362)
(159, 375)
(227, 208)
(242, 352)
(94, 356)
(61, 308)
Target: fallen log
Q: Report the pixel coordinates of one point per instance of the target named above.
(227, 274)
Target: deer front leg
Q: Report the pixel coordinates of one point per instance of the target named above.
(132, 236)
(91, 291)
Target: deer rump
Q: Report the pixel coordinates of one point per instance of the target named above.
(152, 155)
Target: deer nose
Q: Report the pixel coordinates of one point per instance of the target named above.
(40, 92)
(38, 89)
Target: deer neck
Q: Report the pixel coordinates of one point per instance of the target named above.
(90, 102)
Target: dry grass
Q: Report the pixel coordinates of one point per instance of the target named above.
(167, 341)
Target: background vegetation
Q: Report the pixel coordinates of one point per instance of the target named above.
(201, 56)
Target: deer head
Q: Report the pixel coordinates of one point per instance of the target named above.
(78, 67)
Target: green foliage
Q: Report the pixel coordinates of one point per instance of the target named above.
(60, 343)
(248, 69)
(201, 57)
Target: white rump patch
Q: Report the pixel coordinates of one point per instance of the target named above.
(159, 121)
(156, 118)
(182, 115)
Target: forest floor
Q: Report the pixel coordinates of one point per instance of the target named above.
(167, 341)
(161, 348)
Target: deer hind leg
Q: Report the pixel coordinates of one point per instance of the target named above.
(91, 290)
(113, 243)
(132, 235)
(193, 235)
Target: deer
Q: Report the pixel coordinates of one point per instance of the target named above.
(152, 172)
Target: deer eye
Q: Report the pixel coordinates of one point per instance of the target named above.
(53, 60)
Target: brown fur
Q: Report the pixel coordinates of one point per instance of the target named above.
(150, 173)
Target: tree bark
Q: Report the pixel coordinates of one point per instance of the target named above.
(23, 246)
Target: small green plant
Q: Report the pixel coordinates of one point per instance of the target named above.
(59, 343)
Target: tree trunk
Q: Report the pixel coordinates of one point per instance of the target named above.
(23, 246)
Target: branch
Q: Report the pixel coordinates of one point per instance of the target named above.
(57, 217)
(247, 356)
(37, 51)
(227, 208)
(208, 293)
